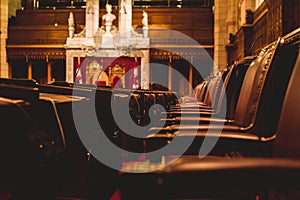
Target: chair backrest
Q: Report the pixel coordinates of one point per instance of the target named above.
(19, 81)
(19, 92)
(234, 85)
(265, 84)
(230, 88)
(287, 141)
(222, 85)
(275, 87)
(219, 94)
(252, 86)
(204, 92)
(200, 91)
(213, 89)
(228, 91)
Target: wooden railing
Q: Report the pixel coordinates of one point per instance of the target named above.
(266, 28)
(50, 4)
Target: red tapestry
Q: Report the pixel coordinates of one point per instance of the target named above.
(131, 64)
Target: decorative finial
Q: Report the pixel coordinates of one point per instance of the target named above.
(71, 25)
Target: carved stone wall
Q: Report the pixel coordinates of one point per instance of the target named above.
(4, 68)
(220, 33)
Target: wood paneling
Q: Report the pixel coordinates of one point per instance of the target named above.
(29, 34)
(266, 28)
(291, 15)
(196, 23)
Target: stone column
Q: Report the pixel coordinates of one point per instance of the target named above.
(231, 20)
(145, 69)
(91, 17)
(96, 16)
(49, 70)
(9, 70)
(125, 18)
(170, 73)
(191, 77)
(4, 72)
(29, 70)
(70, 55)
(220, 33)
(69, 67)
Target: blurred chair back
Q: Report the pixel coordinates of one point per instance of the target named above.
(287, 141)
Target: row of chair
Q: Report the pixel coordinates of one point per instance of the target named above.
(256, 112)
(51, 126)
(225, 93)
(270, 98)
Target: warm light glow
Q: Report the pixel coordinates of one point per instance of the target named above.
(258, 3)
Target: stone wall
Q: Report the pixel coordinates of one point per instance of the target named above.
(4, 70)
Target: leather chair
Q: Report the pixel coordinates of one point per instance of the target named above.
(286, 142)
(211, 89)
(257, 111)
(200, 90)
(246, 105)
(225, 177)
(33, 129)
(226, 98)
